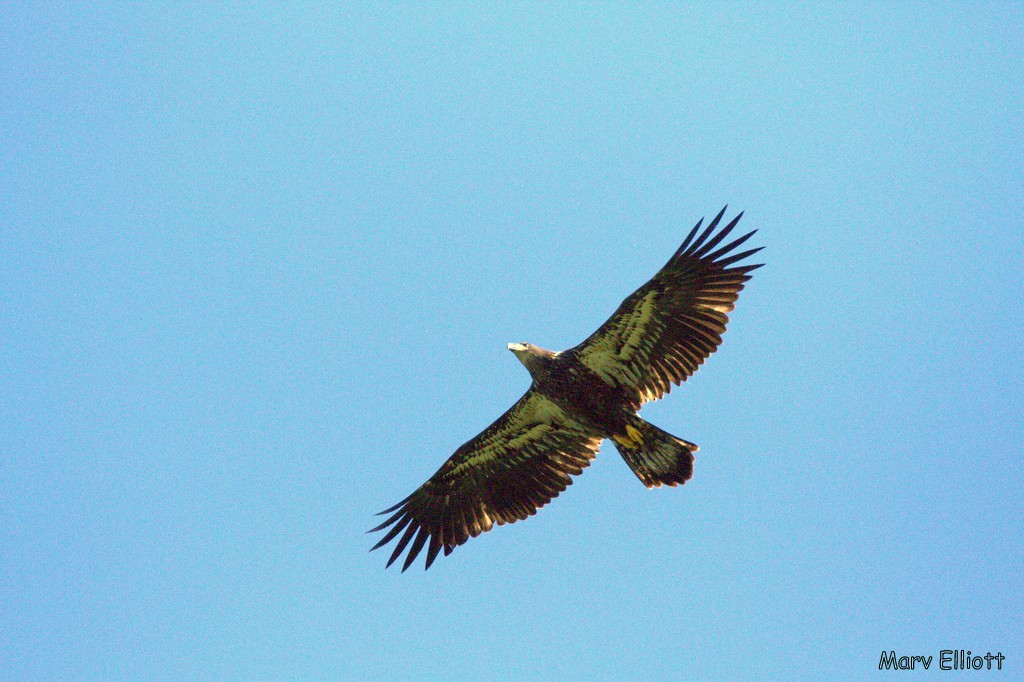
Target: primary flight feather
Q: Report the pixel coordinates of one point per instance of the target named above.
(658, 337)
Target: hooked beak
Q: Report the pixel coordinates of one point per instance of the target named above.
(516, 347)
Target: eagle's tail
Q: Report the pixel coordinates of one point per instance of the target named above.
(656, 457)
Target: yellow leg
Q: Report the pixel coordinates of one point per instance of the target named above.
(632, 439)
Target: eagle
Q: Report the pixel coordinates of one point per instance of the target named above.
(657, 338)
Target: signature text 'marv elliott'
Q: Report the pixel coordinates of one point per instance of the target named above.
(949, 659)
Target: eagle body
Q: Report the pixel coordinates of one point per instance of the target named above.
(657, 338)
(579, 392)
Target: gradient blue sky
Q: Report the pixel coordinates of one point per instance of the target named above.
(259, 264)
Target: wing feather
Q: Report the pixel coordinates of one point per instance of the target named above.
(511, 469)
(667, 328)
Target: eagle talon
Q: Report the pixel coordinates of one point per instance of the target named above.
(632, 440)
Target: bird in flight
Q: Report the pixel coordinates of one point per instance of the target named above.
(658, 337)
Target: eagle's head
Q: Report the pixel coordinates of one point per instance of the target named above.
(536, 359)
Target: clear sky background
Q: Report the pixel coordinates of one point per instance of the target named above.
(259, 264)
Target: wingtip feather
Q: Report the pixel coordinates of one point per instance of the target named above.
(699, 242)
(402, 543)
(717, 238)
(417, 545)
(393, 508)
(686, 242)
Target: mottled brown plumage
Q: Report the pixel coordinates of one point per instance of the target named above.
(658, 337)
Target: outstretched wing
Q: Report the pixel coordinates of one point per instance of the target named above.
(514, 467)
(665, 330)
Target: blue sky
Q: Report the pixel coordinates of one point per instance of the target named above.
(259, 264)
